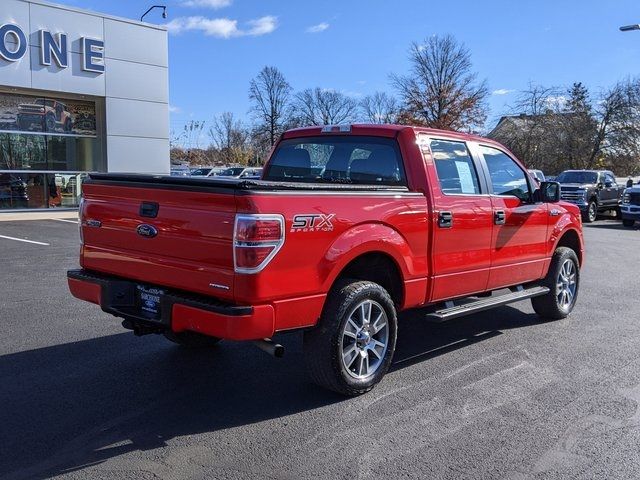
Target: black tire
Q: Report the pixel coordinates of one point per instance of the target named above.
(324, 344)
(592, 212)
(549, 306)
(191, 339)
(628, 222)
(50, 123)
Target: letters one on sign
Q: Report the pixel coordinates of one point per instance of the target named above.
(53, 48)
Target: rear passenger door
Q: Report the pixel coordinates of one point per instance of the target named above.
(462, 220)
(519, 240)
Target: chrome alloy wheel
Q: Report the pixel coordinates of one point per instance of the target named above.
(593, 212)
(566, 284)
(365, 337)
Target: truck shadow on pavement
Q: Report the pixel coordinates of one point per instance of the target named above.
(70, 406)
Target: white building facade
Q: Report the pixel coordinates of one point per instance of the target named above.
(79, 92)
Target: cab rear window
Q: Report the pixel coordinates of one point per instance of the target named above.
(337, 159)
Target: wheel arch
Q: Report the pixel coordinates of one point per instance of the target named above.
(374, 252)
(378, 267)
(571, 239)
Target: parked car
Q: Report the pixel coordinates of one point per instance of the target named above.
(241, 172)
(398, 217)
(45, 114)
(630, 208)
(201, 172)
(538, 175)
(13, 191)
(594, 191)
(179, 171)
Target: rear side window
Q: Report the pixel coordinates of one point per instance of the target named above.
(507, 178)
(337, 159)
(456, 171)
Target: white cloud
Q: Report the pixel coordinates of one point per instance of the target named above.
(215, 4)
(321, 27)
(174, 109)
(222, 27)
(262, 25)
(502, 91)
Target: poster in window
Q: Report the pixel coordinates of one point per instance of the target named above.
(27, 114)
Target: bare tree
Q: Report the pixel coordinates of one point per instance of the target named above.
(269, 94)
(192, 133)
(618, 131)
(231, 139)
(324, 107)
(532, 131)
(379, 108)
(555, 130)
(441, 90)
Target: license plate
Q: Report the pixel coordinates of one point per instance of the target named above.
(149, 300)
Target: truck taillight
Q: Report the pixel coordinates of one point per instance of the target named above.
(80, 220)
(256, 240)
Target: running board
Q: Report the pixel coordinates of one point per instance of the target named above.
(485, 304)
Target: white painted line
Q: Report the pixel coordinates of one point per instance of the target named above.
(63, 220)
(24, 240)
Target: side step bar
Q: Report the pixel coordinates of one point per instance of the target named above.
(457, 311)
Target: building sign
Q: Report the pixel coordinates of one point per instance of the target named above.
(53, 48)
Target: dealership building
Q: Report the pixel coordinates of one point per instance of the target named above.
(79, 92)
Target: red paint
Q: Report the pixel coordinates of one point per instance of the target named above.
(247, 327)
(87, 291)
(193, 250)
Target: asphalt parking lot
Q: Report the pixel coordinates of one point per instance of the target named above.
(496, 395)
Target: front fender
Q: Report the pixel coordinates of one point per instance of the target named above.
(568, 221)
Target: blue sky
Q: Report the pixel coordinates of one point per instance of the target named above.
(353, 45)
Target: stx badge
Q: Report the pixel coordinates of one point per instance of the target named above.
(312, 222)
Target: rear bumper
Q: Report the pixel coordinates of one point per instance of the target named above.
(178, 311)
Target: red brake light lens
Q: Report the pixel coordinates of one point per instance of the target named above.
(257, 239)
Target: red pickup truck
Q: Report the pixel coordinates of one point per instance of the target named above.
(348, 226)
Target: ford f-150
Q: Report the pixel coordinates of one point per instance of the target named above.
(348, 226)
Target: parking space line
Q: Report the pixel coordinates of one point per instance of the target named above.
(65, 220)
(24, 240)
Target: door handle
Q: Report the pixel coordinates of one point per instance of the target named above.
(499, 217)
(445, 219)
(554, 212)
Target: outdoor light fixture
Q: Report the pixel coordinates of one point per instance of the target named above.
(628, 28)
(163, 7)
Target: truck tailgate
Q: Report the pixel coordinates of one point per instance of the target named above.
(186, 245)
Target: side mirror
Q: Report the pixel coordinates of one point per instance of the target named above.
(599, 186)
(549, 192)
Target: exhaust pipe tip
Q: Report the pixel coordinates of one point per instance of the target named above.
(269, 346)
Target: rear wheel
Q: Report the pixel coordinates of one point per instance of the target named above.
(628, 222)
(352, 347)
(563, 281)
(191, 339)
(592, 212)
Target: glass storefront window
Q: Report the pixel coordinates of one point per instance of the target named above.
(47, 146)
(19, 190)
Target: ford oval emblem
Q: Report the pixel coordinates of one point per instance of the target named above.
(146, 230)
